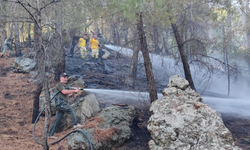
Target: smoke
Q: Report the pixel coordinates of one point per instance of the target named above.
(213, 87)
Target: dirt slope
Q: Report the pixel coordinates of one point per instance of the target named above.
(16, 102)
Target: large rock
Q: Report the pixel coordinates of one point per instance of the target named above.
(72, 82)
(85, 108)
(23, 65)
(107, 130)
(180, 121)
(106, 54)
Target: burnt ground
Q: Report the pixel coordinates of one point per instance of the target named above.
(240, 129)
(16, 102)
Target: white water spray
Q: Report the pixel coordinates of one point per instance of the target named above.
(232, 106)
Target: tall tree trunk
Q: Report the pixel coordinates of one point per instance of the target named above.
(134, 62)
(165, 43)
(181, 49)
(36, 102)
(29, 37)
(2, 25)
(228, 39)
(40, 57)
(102, 24)
(21, 32)
(156, 40)
(97, 31)
(11, 29)
(60, 59)
(147, 63)
(114, 33)
(125, 31)
(117, 33)
(17, 43)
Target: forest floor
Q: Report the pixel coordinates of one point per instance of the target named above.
(16, 103)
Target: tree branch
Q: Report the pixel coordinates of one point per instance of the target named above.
(47, 4)
(32, 16)
(28, 4)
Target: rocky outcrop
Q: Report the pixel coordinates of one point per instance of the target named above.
(23, 65)
(107, 130)
(106, 54)
(181, 121)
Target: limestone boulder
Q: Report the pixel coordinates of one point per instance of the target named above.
(180, 121)
(107, 130)
(23, 65)
(106, 54)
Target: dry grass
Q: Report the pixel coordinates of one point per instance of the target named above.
(16, 105)
(101, 135)
(93, 122)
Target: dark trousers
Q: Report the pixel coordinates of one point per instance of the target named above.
(64, 108)
(6, 46)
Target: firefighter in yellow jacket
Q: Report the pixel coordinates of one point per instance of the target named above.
(94, 47)
(82, 46)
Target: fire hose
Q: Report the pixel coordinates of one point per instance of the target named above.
(37, 119)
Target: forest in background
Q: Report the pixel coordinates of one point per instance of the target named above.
(210, 34)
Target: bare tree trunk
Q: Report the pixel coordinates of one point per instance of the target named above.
(125, 30)
(29, 37)
(21, 32)
(164, 41)
(11, 29)
(17, 43)
(97, 31)
(181, 49)
(228, 42)
(47, 113)
(102, 30)
(115, 33)
(36, 103)
(60, 60)
(147, 61)
(156, 40)
(134, 62)
(40, 57)
(2, 26)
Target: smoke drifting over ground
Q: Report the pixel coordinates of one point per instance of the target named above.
(213, 87)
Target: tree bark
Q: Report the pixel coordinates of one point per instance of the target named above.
(97, 31)
(36, 102)
(125, 30)
(165, 43)
(47, 113)
(147, 63)
(29, 37)
(115, 33)
(181, 49)
(156, 40)
(134, 62)
(17, 43)
(60, 59)
(40, 57)
(2, 26)
(11, 30)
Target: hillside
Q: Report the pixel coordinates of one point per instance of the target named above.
(16, 102)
